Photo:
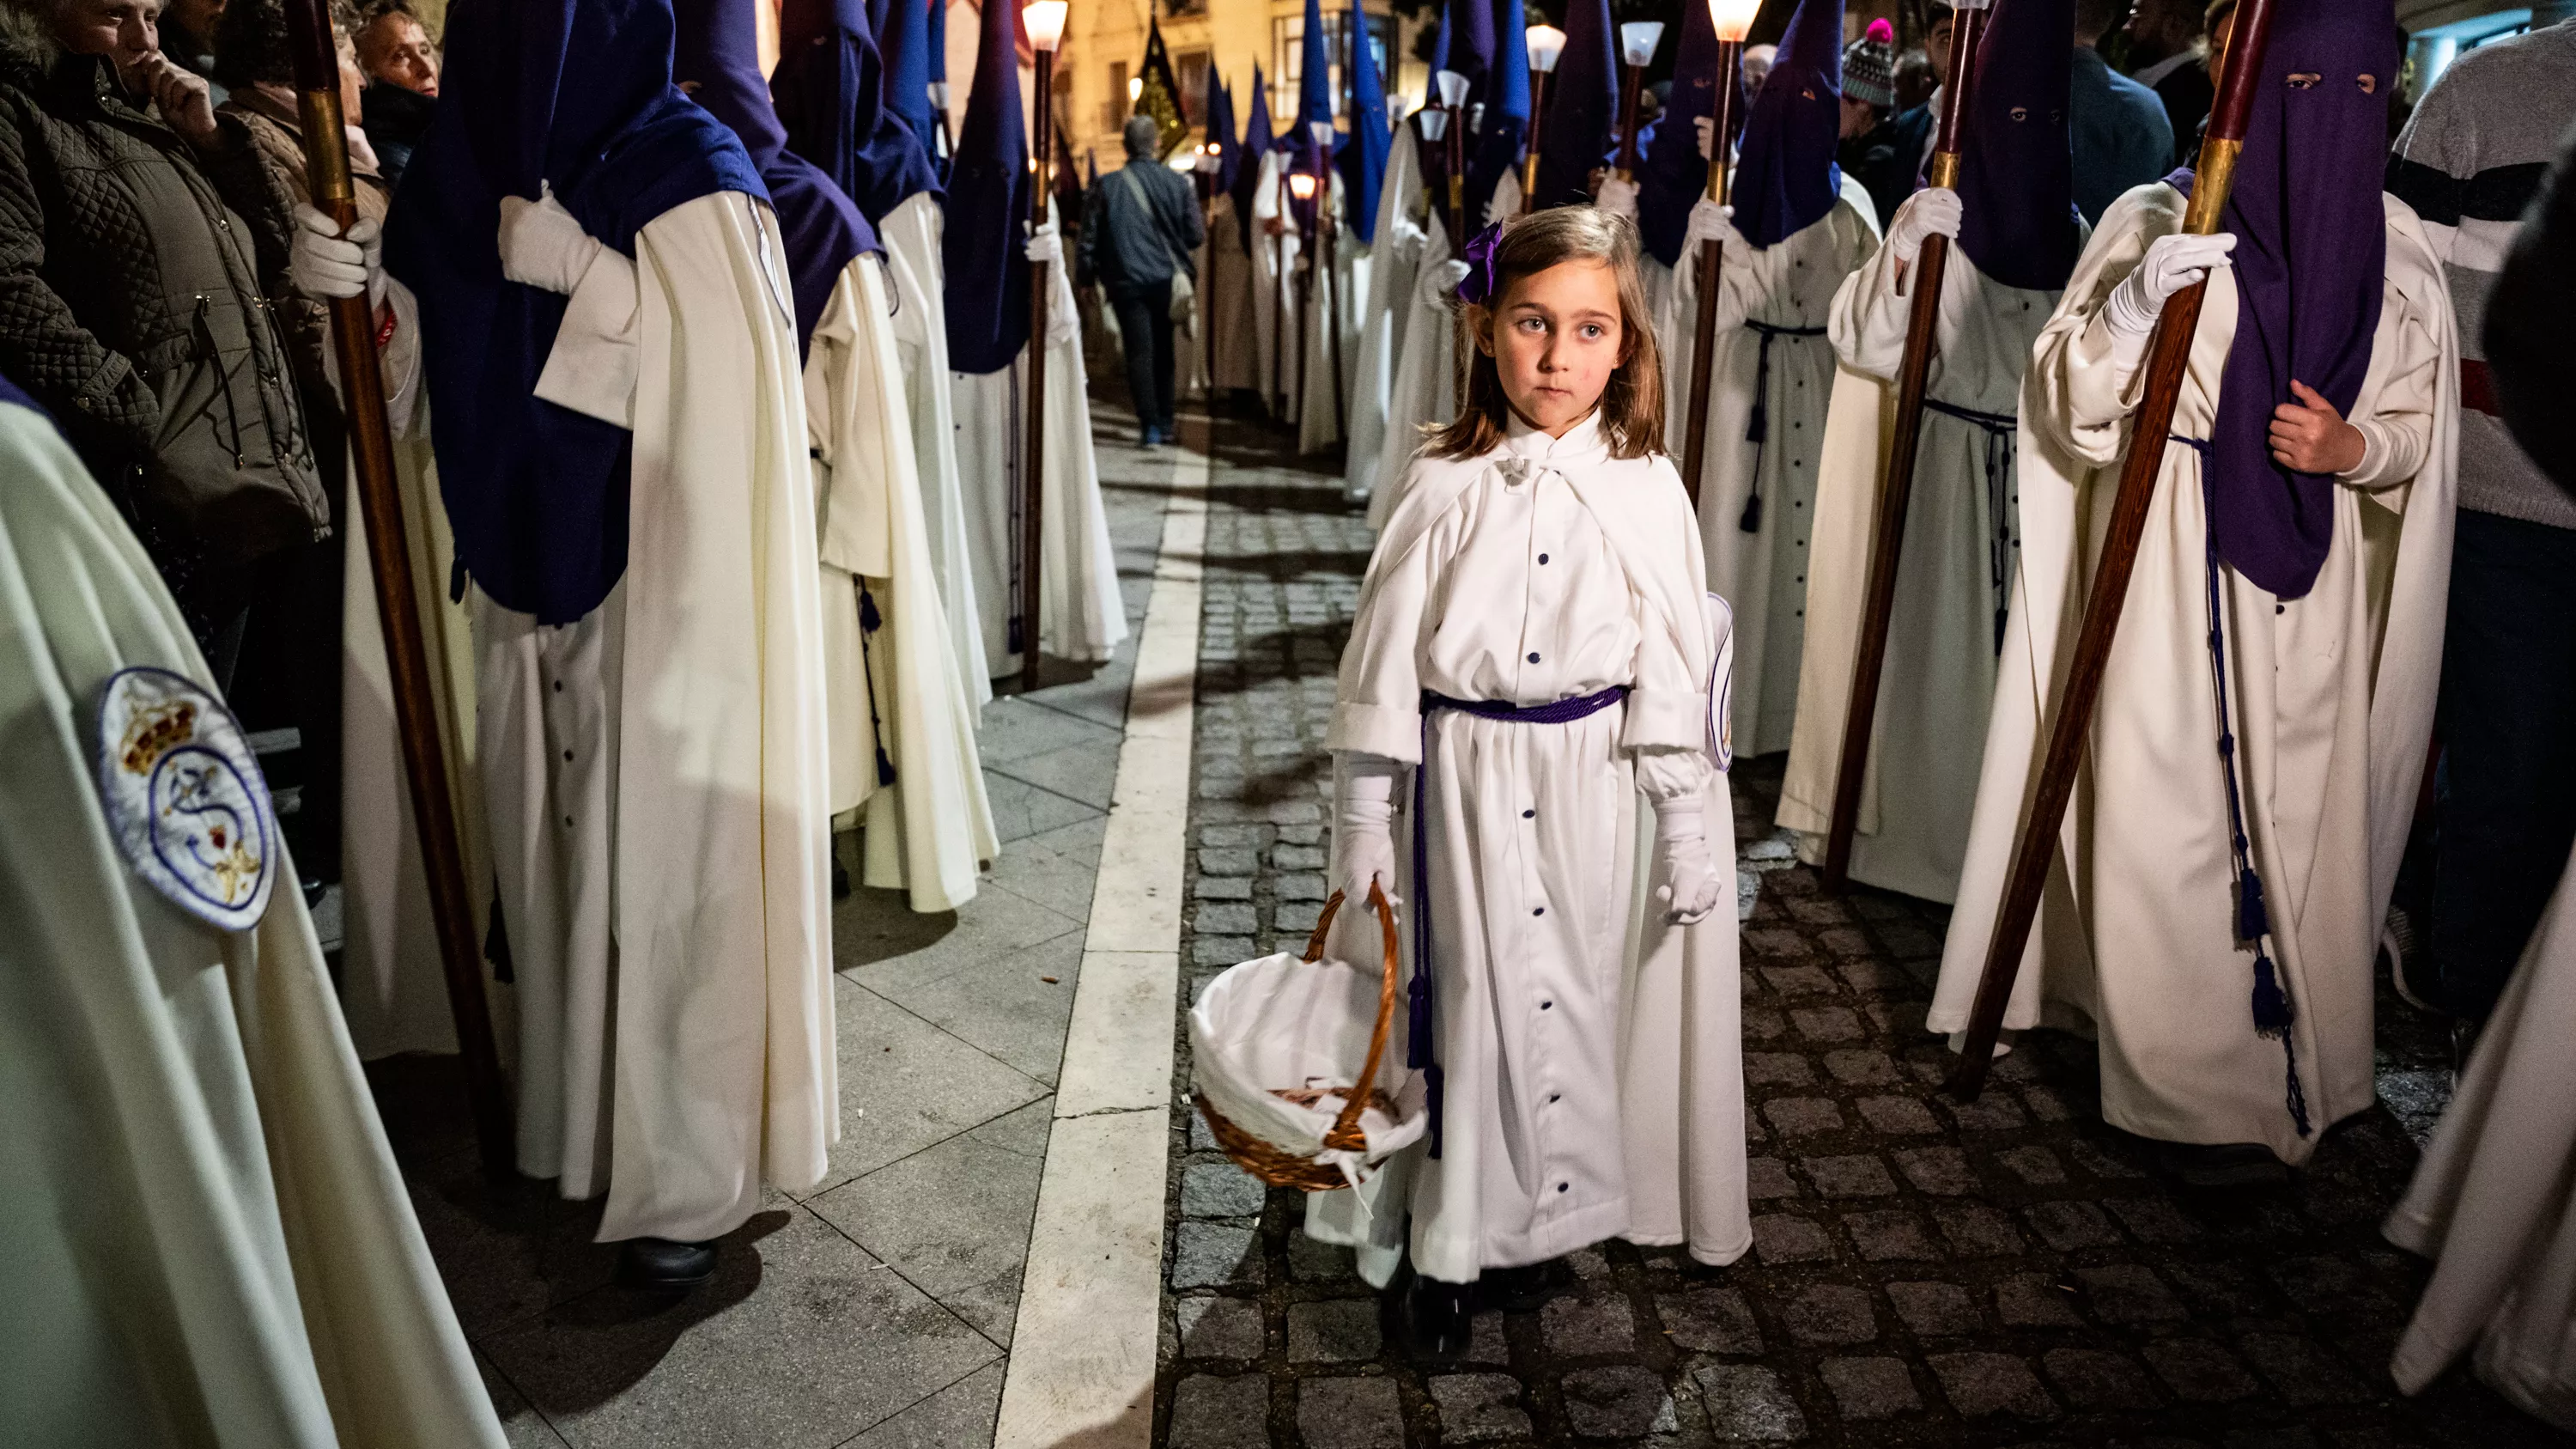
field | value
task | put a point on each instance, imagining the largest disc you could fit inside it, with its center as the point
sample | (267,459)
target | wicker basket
(1293,1158)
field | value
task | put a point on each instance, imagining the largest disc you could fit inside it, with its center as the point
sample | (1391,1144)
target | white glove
(1689,889)
(322,264)
(1706,126)
(1617,197)
(1933,211)
(542,245)
(1045,246)
(1439,284)
(1712,222)
(1363,828)
(2171,264)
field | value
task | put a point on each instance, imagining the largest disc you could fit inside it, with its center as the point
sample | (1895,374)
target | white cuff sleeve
(597,350)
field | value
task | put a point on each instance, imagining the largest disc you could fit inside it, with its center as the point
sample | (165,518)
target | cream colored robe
(1081,616)
(1331,299)
(657,774)
(207,1236)
(2332,698)
(1425,391)
(1379,323)
(393,984)
(1763,574)
(914,267)
(1938,681)
(1591,1051)
(1226,302)
(893,690)
(2491,1202)
(1274,300)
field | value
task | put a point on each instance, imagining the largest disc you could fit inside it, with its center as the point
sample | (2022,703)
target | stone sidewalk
(877,1311)
(1923,1273)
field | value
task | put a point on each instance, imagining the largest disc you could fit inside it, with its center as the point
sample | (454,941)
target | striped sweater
(2469,162)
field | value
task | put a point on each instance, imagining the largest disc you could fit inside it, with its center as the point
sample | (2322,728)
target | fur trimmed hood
(28,49)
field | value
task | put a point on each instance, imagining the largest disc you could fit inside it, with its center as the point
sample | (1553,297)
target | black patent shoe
(1437,1320)
(1518,1290)
(2223,1165)
(660,1265)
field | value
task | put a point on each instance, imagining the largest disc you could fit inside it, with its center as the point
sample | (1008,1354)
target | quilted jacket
(135,305)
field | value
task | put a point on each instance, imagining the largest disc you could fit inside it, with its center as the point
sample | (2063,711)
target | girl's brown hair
(1632,406)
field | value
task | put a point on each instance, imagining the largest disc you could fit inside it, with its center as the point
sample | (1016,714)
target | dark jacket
(2121,136)
(1888,161)
(2529,317)
(396,119)
(135,278)
(1140,225)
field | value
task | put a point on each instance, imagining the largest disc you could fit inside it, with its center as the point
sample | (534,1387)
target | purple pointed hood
(2311,259)
(2017,177)
(1674,176)
(835,90)
(1785,177)
(716,58)
(576,95)
(985,245)
(1582,120)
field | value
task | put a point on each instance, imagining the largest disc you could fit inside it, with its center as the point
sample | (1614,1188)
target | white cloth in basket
(1282,1023)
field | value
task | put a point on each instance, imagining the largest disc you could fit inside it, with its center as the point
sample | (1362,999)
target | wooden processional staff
(2167,358)
(1045,21)
(1732,19)
(1896,491)
(379,497)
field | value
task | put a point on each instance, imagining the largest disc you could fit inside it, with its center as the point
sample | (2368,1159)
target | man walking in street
(1139,230)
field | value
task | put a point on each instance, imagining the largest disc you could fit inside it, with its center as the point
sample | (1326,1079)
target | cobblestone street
(1924,1273)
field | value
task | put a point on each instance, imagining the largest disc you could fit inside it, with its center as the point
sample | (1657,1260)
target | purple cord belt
(1418,1052)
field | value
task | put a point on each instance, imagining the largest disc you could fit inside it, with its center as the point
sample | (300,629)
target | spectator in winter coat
(401,68)
(140,241)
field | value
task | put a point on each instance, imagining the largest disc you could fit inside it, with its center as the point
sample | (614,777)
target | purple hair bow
(1480,283)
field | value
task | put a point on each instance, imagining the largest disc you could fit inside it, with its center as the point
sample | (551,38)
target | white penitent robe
(1226,303)
(1425,391)
(1395,257)
(911,234)
(1593,1077)
(656,773)
(1081,616)
(2491,1201)
(1762,572)
(1336,288)
(894,698)
(207,1236)
(1274,292)
(2332,704)
(1953,582)
(393,985)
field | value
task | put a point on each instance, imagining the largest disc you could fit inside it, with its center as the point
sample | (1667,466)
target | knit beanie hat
(1869,65)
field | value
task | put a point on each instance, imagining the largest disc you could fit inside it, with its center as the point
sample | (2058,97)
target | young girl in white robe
(1530,672)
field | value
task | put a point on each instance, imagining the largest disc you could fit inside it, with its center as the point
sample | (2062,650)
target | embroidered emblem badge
(185,797)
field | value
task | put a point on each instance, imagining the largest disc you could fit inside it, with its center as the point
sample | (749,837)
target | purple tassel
(885,767)
(869,618)
(1751,522)
(1757,424)
(2272,1013)
(2253,921)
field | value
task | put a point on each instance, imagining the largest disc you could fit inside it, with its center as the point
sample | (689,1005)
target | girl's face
(1555,337)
